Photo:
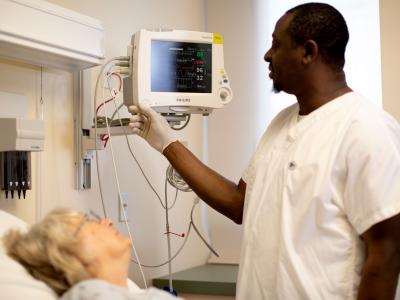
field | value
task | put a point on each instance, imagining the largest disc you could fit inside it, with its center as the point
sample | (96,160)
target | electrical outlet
(122,206)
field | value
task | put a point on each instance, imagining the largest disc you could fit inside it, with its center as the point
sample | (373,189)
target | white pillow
(15,282)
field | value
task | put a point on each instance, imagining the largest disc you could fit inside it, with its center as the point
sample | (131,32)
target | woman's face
(101,244)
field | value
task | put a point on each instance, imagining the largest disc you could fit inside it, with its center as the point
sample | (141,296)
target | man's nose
(267,56)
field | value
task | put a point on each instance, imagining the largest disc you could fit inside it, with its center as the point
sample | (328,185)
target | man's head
(306,34)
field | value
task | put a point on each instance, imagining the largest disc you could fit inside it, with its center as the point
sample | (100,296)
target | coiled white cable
(176,180)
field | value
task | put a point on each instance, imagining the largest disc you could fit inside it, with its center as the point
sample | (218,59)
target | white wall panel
(56,166)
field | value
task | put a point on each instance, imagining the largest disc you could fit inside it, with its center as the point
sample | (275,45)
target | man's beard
(276,88)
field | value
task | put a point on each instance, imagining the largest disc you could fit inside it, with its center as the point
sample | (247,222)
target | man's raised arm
(217,191)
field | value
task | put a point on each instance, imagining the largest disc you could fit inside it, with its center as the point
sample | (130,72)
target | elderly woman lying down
(80,256)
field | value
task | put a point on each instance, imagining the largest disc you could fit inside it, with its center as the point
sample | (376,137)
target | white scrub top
(313,187)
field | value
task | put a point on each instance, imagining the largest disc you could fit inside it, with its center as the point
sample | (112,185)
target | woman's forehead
(76,219)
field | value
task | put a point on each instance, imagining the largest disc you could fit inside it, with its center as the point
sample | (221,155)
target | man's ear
(310,51)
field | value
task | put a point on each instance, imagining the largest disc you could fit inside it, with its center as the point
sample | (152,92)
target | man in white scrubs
(320,199)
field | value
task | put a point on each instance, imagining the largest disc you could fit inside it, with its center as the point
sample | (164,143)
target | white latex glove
(151,126)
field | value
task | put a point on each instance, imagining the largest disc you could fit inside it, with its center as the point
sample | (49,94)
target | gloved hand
(151,126)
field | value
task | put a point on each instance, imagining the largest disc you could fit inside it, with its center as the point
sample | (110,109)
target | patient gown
(95,289)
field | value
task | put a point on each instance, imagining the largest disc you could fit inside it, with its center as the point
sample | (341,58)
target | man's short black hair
(326,26)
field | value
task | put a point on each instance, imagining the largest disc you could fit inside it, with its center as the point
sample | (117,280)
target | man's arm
(218,192)
(381,269)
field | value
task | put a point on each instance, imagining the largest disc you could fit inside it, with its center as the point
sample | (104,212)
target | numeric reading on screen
(181,67)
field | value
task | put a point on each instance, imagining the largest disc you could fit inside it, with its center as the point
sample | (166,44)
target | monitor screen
(181,67)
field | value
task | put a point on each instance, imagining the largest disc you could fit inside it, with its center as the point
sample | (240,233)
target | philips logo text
(183,99)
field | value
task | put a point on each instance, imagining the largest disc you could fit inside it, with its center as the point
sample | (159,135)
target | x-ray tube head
(177,71)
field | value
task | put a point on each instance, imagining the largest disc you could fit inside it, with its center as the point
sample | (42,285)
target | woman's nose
(107,222)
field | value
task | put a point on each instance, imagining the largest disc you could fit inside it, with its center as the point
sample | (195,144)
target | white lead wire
(119,191)
(116,176)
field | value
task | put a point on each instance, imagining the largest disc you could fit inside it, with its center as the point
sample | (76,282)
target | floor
(205,297)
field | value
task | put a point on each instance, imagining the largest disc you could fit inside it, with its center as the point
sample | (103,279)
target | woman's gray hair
(48,250)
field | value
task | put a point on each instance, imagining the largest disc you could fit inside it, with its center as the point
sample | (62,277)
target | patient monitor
(177,72)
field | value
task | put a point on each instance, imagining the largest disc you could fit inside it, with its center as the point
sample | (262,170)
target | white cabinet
(41,33)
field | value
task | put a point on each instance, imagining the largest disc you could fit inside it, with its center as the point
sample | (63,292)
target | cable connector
(122,58)
(122,63)
(124,71)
